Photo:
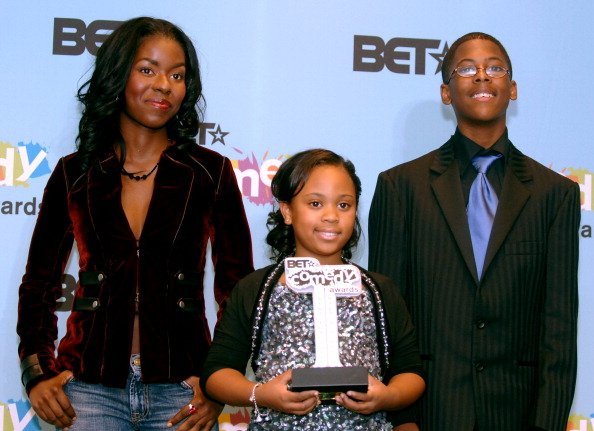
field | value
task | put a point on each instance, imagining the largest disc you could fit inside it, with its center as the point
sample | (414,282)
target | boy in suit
(483,242)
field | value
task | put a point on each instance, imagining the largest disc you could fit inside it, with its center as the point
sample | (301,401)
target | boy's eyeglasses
(471,70)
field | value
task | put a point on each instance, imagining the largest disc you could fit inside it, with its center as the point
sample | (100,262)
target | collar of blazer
(447,189)
(518,162)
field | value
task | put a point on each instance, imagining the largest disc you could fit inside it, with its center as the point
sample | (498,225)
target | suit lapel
(514,195)
(448,192)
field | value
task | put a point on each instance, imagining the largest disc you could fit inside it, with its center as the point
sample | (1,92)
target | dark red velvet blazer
(195,199)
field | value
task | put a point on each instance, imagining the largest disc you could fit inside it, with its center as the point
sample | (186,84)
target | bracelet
(258,415)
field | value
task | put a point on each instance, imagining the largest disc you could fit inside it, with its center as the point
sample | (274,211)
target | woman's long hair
(102,95)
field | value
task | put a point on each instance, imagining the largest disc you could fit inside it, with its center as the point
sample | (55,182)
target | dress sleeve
(231,345)
(404,353)
(41,285)
(230,237)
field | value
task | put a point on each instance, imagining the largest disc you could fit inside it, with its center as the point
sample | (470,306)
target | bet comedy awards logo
(18,416)
(578,422)
(399,55)
(18,165)
(254,174)
(236,419)
(21,163)
(583,177)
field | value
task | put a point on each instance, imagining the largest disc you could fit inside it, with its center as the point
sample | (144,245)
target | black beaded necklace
(132,176)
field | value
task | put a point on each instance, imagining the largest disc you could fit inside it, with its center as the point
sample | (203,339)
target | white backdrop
(284,76)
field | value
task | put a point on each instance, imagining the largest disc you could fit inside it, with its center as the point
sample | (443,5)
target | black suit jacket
(500,352)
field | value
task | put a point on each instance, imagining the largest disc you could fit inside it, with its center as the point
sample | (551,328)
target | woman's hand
(204,414)
(275,395)
(51,403)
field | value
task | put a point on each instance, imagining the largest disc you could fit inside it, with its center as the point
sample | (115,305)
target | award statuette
(325,283)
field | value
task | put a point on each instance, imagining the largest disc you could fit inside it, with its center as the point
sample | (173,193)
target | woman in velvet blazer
(142,201)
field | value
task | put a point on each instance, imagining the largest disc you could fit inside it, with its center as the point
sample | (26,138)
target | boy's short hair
(446,67)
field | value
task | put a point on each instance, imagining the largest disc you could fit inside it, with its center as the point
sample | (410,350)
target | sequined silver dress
(288,342)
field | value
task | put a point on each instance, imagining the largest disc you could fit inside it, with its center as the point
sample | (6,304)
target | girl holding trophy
(268,321)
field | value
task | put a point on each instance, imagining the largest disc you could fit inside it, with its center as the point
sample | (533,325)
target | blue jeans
(137,407)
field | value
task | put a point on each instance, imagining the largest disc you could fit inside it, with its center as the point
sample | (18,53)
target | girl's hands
(365,403)
(401,391)
(275,395)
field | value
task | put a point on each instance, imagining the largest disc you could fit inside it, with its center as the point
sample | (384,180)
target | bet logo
(72,36)
(399,55)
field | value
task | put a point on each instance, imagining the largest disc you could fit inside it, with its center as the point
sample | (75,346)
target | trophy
(325,282)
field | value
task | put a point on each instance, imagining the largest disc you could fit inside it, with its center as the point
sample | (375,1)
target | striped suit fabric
(500,353)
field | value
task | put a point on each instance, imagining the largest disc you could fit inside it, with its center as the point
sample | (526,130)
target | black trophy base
(329,381)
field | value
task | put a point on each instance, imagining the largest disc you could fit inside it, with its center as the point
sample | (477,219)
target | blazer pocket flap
(91,278)
(189,305)
(524,247)
(189,278)
(86,304)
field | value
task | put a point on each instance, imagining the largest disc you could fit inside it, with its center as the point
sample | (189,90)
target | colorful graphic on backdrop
(18,164)
(578,422)
(583,177)
(18,416)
